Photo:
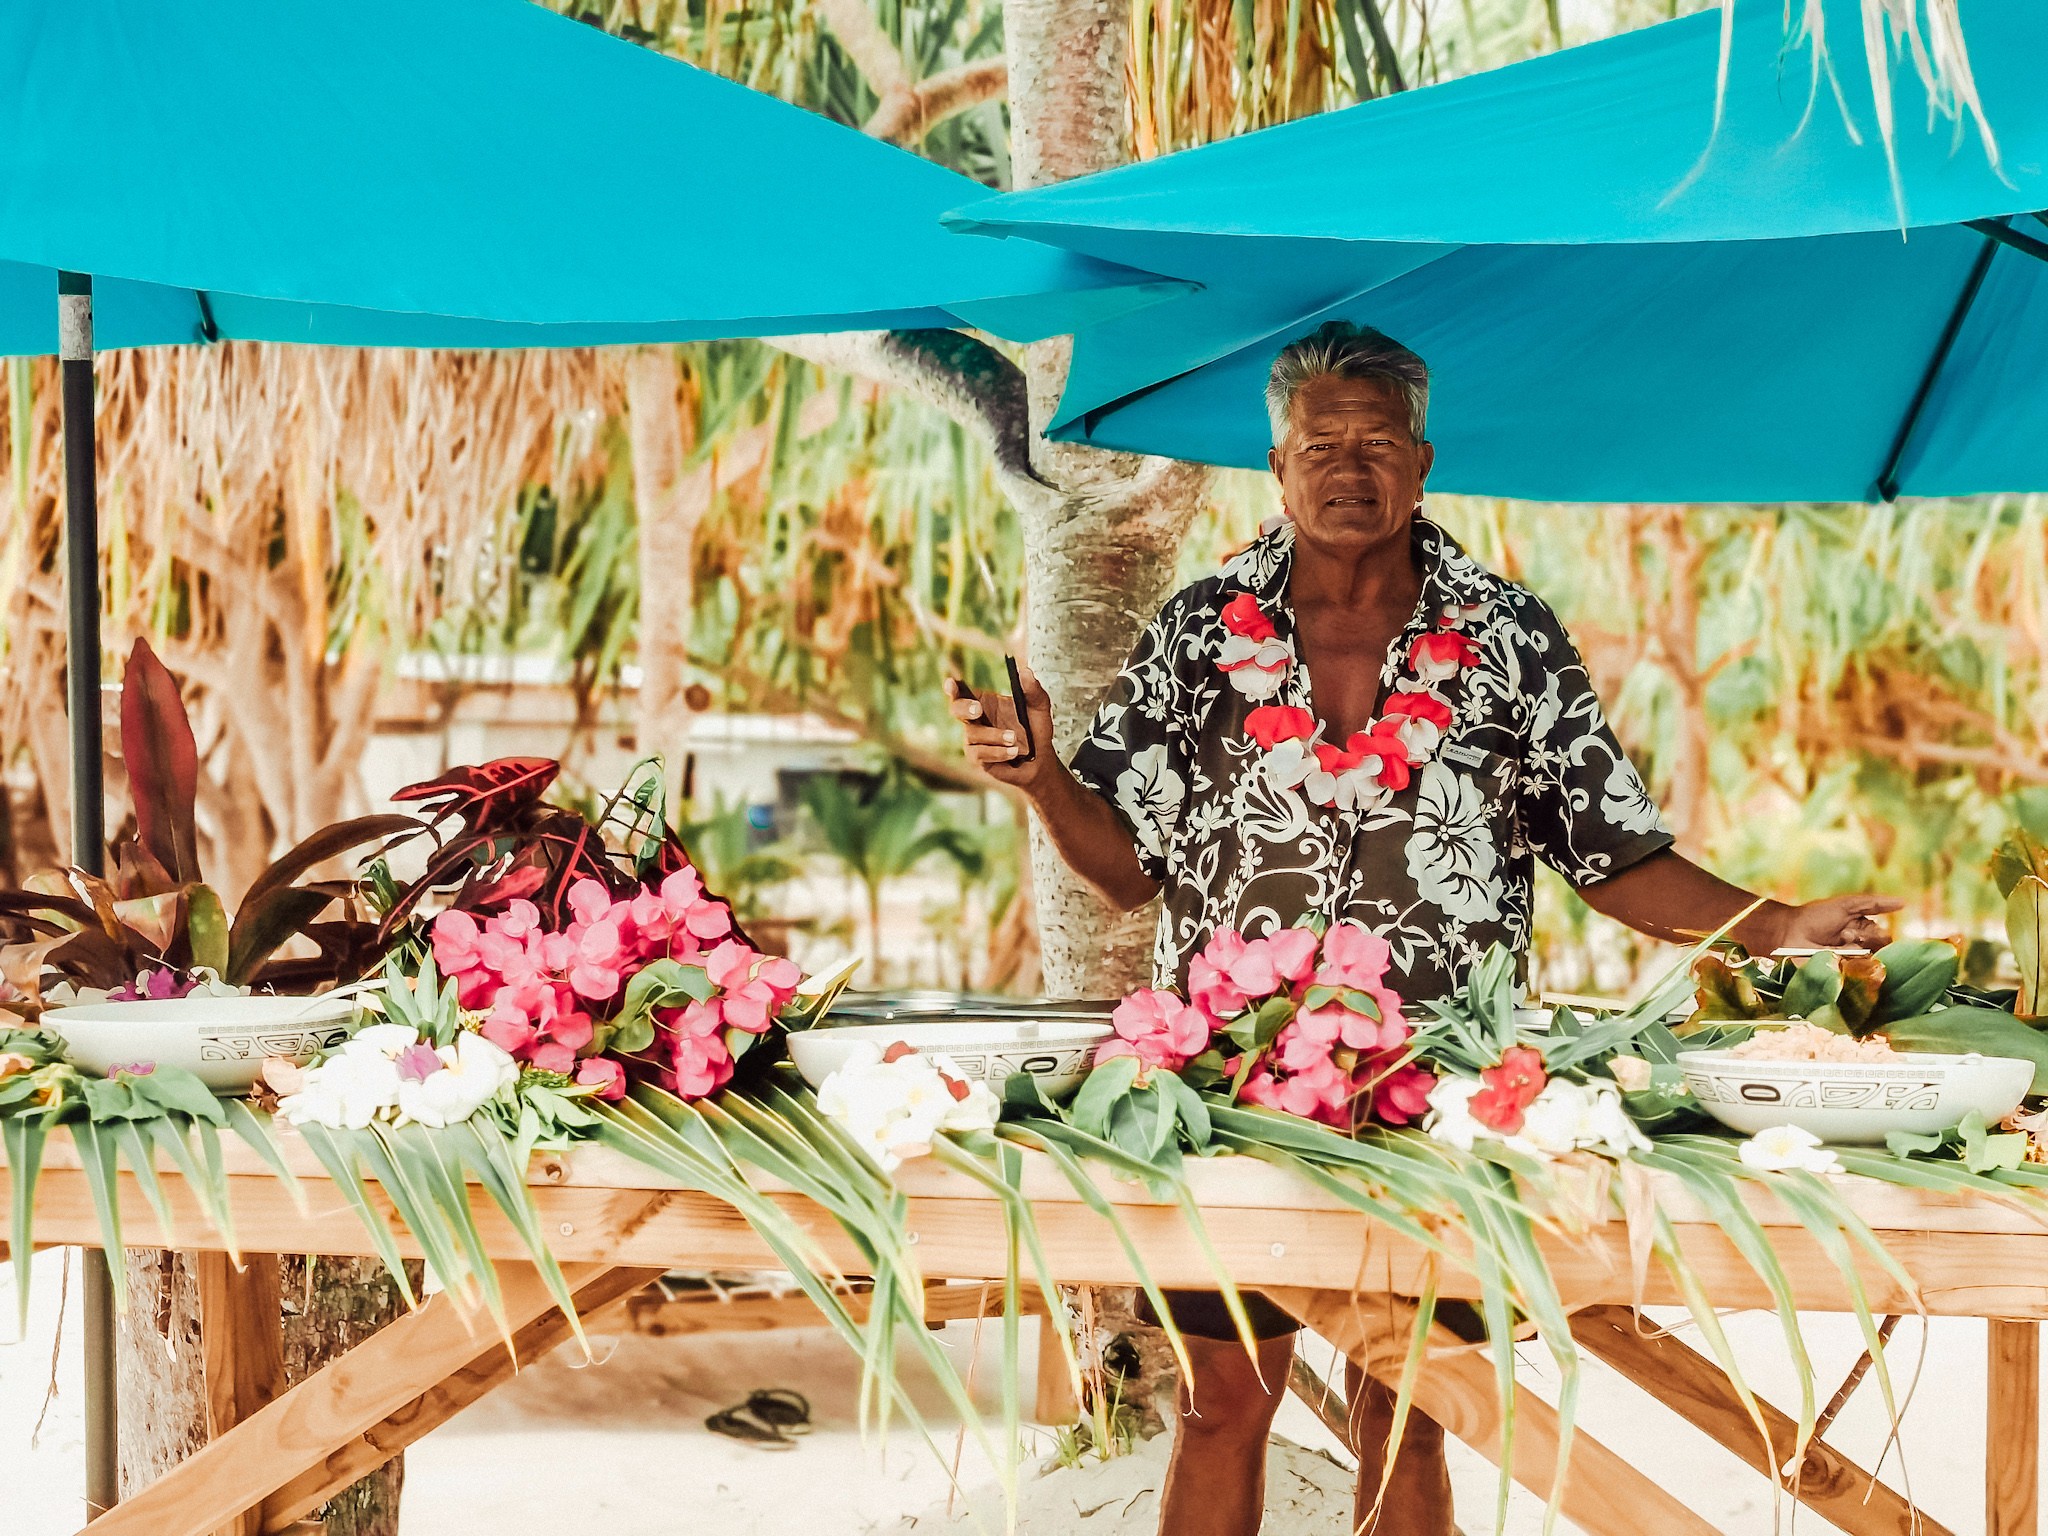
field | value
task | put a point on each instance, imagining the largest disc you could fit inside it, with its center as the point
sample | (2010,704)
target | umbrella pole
(88,808)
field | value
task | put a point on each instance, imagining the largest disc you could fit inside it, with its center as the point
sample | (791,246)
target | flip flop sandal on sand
(739,1424)
(788,1411)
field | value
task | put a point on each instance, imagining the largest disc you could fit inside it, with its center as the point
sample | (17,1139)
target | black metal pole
(88,809)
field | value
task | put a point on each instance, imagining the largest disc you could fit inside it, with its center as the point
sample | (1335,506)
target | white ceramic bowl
(1058,1052)
(221,1039)
(1857,1103)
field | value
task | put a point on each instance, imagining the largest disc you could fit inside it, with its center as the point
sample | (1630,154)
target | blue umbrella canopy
(1619,298)
(469,173)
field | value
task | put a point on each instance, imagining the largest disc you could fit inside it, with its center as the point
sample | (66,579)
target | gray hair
(1346,351)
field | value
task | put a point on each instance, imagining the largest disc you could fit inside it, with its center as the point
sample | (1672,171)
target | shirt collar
(1449,575)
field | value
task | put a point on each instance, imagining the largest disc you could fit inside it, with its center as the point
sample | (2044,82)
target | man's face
(1351,474)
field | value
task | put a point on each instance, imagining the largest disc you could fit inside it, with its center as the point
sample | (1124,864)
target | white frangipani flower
(1784,1148)
(349,1089)
(895,1109)
(472,1073)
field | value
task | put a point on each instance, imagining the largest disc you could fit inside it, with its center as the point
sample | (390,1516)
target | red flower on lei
(1372,764)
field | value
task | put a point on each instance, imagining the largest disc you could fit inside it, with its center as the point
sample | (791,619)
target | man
(1359,627)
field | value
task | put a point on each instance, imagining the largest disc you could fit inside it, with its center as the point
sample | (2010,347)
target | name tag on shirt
(1456,752)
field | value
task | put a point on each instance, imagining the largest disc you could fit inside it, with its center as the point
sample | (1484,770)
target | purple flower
(131,1069)
(160,985)
(417,1063)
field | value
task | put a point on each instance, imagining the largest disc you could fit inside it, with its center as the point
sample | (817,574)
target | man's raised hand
(995,738)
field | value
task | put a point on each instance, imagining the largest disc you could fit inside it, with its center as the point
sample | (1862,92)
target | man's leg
(1216,1482)
(1418,1500)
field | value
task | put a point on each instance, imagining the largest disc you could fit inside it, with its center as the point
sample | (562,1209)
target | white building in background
(439,711)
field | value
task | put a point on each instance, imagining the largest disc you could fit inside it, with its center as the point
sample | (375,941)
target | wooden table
(616,1227)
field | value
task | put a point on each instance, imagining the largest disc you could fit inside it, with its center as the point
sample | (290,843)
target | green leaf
(1814,986)
(1100,1091)
(23,1137)
(1726,990)
(1362,1003)
(1987,1031)
(1862,984)
(1917,975)
(206,928)
(2026,929)
(1915,1143)
(174,1088)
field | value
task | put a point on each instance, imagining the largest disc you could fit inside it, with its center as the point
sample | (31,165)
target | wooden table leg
(1056,1403)
(338,1404)
(1698,1391)
(1603,1494)
(2012,1429)
(241,1340)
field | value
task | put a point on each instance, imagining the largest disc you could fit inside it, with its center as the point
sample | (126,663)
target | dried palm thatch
(276,520)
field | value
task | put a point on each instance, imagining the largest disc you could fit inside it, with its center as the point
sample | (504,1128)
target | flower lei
(1374,764)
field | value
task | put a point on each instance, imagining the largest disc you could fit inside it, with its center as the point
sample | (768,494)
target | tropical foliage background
(1823,696)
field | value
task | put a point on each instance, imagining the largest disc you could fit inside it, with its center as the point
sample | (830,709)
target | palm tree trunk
(666,515)
(1100,553)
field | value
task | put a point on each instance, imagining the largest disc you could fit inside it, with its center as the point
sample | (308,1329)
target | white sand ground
(618,1449)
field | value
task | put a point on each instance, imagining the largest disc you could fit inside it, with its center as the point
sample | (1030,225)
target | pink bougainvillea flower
(549,1057)
(1438,656)
(1353,956)
(589,900)
(520,919)
(598,958)
(1400,1096)
(1323,1092)
(510,1033)
(1271,724)
(455,943)
(702,1065)
(1294,953)
(1243,616)
(1209,980)
(753,988)
(608,1077)
(571,1029)
(1159,1029)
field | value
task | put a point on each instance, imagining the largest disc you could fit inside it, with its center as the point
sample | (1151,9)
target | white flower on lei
(1451,856)
(895,1109)
(1420,737)
(472,1073)
(1291,764)
(1151,794)
(1256,668)
(1784,1148)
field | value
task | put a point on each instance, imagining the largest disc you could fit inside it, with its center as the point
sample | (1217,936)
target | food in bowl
(1809,1042)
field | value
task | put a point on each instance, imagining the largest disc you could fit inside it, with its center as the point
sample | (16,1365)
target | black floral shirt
(1441,866)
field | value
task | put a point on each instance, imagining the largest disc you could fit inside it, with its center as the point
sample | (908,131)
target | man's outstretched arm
(1669,897)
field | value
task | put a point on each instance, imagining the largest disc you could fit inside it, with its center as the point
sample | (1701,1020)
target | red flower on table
(1509,1090)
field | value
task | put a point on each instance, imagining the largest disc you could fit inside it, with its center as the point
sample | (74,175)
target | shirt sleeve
(1138,754)
(1583,809)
